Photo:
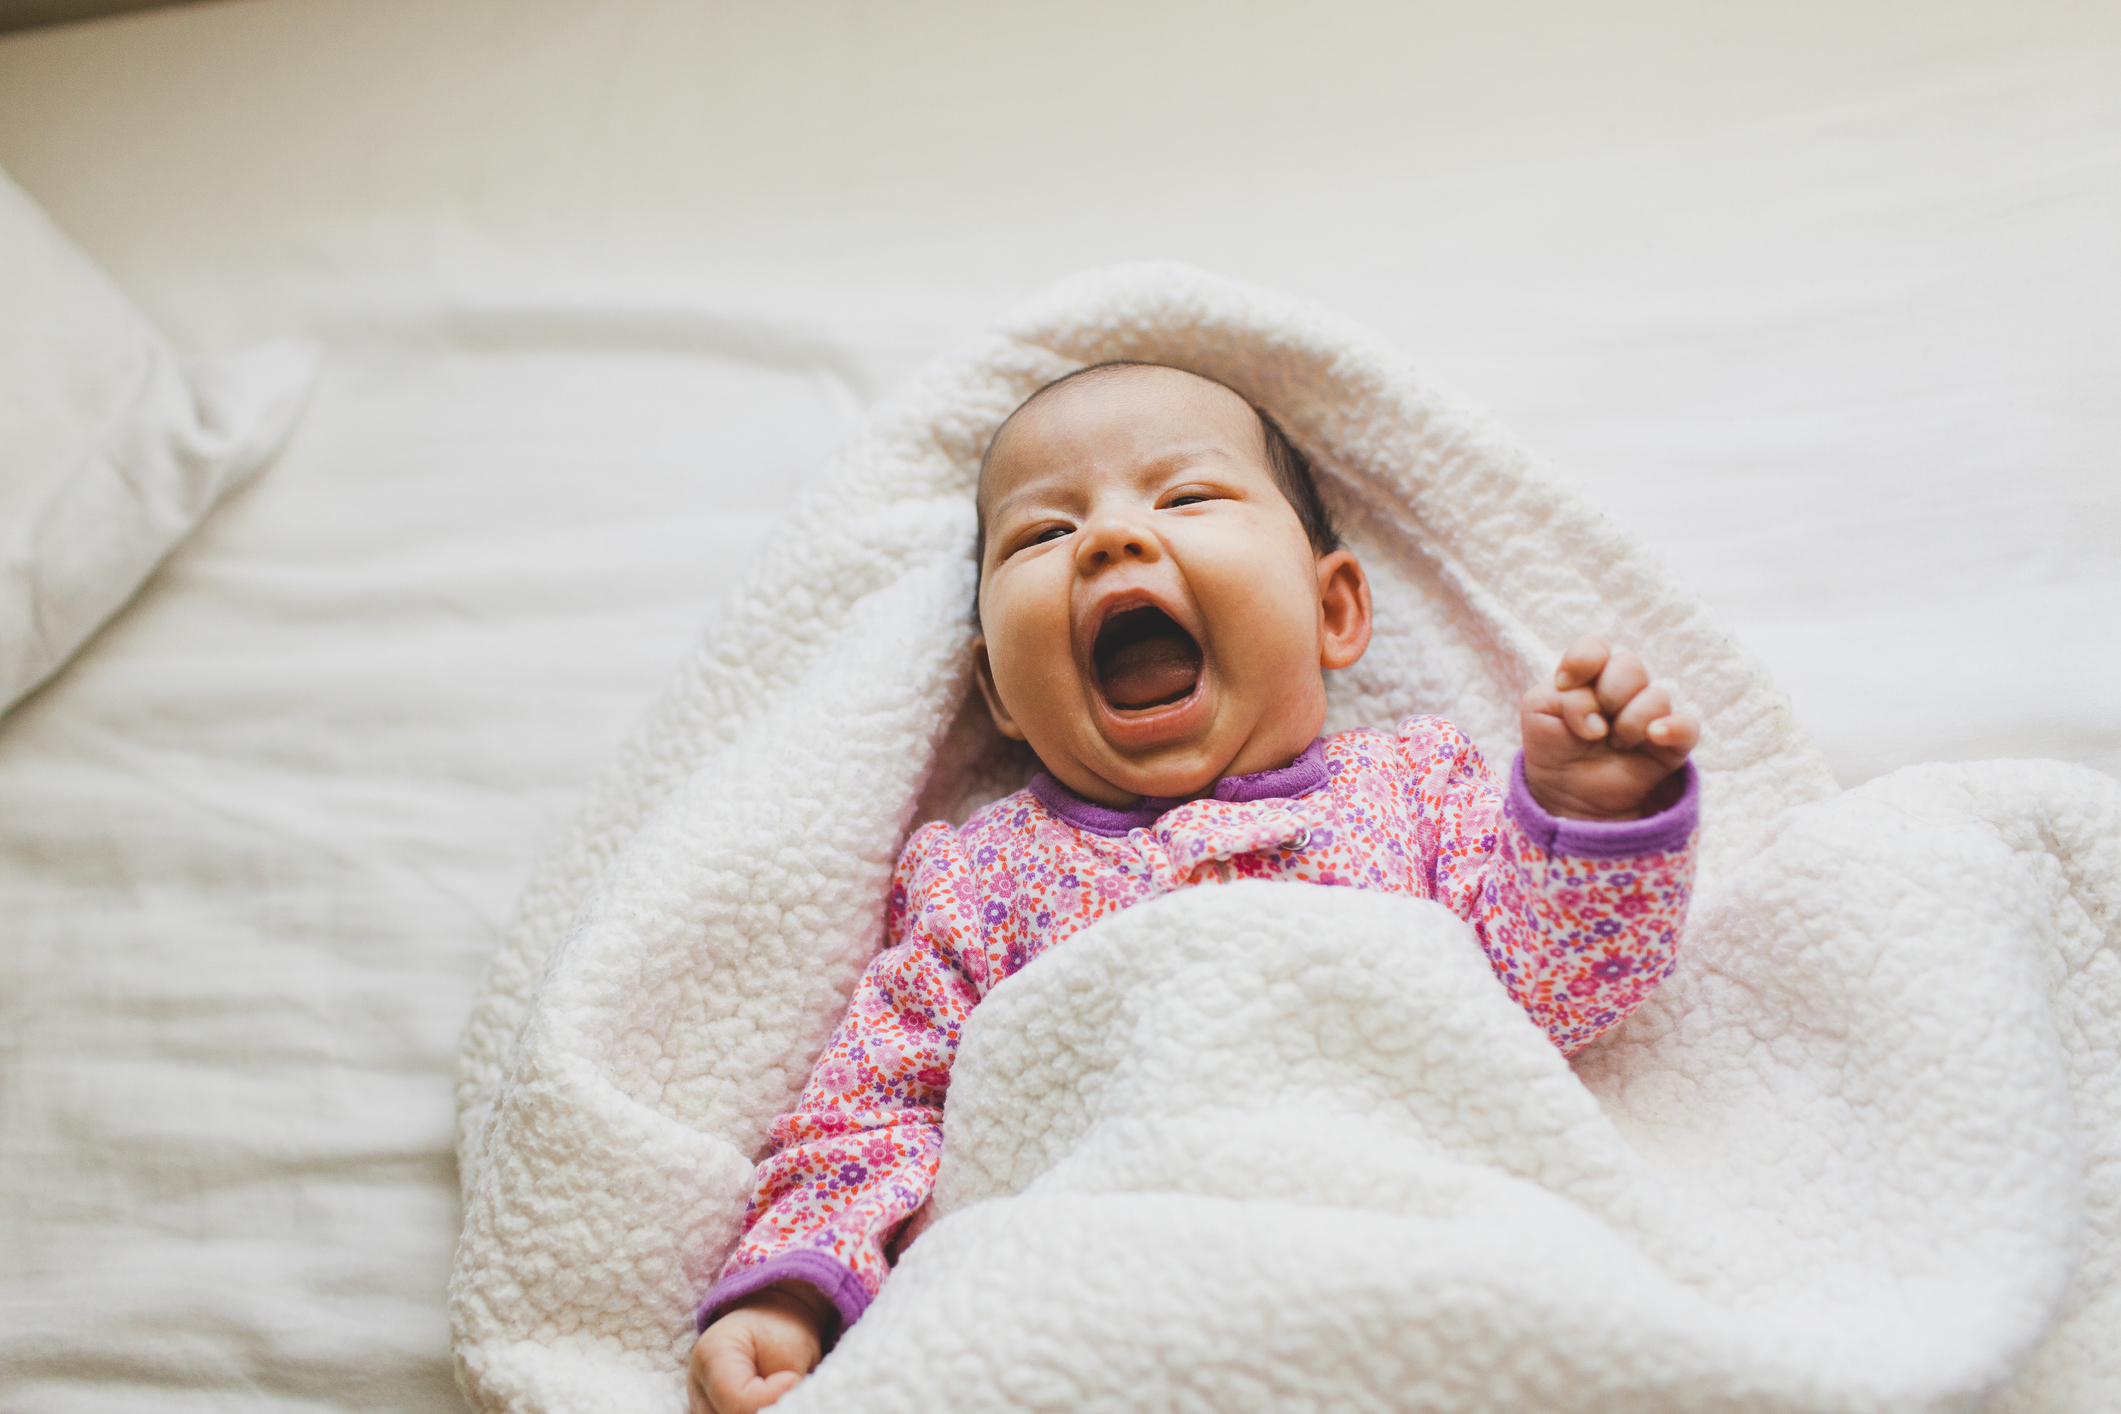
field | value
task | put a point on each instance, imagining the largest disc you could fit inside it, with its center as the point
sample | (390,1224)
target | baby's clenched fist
(758,1351)
(1600,742)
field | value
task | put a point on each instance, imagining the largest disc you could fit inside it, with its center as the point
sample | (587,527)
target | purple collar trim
(1300,777)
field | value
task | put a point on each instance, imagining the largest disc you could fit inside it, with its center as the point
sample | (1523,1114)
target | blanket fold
(1263,1147)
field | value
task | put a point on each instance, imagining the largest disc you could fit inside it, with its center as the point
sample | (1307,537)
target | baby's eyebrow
(1163,464)
(1008,499)
(1178,459)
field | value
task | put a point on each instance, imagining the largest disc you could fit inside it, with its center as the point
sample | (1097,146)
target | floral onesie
(1580,920)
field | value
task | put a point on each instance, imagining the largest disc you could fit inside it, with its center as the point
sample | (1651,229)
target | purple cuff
(1663,833)
(835,1282)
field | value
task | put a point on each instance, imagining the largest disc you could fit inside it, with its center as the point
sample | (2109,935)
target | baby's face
(1154,614)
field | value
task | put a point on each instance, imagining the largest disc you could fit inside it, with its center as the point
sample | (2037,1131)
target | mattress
(1817,301)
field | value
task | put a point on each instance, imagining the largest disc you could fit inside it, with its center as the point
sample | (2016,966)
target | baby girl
(1160,591)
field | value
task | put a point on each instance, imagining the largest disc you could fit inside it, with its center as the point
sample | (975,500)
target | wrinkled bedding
(1815,301)
(1271,1144)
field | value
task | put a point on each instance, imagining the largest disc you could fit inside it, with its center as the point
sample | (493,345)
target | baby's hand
(756,1353)
(1600,743)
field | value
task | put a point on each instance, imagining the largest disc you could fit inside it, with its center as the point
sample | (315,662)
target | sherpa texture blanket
(1272,1147)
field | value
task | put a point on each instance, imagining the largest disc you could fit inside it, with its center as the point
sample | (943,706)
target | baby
(1160,590)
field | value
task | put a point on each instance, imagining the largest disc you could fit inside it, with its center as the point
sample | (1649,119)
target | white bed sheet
(1818,301)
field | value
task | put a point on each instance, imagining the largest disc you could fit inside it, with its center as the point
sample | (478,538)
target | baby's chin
(1176,771)
(1123,789)
(1178,750)
(1094,769)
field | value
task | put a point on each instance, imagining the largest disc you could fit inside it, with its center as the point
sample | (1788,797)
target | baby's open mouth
(1144,659)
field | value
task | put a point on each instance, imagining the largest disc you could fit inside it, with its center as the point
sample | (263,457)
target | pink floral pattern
(1577,941)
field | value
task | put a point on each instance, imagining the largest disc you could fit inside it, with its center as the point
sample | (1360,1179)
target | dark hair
(1291,468)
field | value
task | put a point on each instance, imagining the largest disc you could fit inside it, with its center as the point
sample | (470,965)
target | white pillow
(109,454)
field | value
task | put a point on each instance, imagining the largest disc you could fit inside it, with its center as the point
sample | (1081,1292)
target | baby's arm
(1576,887)
(852,1161)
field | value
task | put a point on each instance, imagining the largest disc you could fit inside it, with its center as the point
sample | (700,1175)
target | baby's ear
(983,673)
(1343,609)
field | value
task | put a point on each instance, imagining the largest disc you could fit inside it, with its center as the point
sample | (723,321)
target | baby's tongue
(1158,669)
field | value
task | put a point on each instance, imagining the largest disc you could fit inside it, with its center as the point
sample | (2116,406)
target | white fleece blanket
(1271,1147)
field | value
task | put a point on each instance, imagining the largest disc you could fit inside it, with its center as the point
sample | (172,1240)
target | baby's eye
(1189,499)
(1051,532)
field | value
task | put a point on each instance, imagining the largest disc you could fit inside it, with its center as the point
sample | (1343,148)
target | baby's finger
(1631,725)
(1621,680)
(1579,708)
(756,1394)
(732,1379)
(1675,735)
(1581,663)
(1547,738)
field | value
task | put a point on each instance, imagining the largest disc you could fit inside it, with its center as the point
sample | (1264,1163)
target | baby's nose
(1115,539)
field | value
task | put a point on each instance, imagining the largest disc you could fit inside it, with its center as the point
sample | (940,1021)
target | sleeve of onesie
(1579,918)
(857,1155)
